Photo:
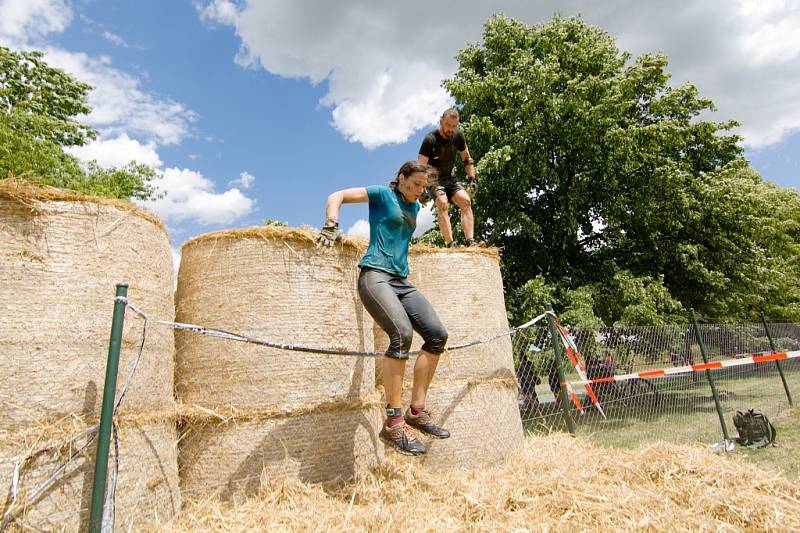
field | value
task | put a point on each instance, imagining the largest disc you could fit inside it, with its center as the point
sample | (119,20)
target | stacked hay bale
(61,255)
(252,410)
(474,390)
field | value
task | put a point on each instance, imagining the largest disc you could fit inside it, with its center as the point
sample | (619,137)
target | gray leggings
(400,309)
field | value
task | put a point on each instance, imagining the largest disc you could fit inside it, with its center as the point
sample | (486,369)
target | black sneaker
(423,422)
(402,439)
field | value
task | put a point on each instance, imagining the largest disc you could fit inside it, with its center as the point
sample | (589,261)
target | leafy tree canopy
(597,176)
(38,109)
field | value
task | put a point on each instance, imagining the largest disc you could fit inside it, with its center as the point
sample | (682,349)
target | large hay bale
(483,420)
(229,458)
(146,490)
(287,411)
(465,288)
(474,390)
(269,283)
(61,254)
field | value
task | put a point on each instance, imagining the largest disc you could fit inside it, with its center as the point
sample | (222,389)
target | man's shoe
(423,422)
(402,439)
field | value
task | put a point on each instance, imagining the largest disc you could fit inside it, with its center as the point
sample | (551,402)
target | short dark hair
(451,112)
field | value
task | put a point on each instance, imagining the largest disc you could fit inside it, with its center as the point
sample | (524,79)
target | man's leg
(443,216)
(464,203)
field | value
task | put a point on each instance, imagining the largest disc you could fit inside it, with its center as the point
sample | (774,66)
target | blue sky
(258,109)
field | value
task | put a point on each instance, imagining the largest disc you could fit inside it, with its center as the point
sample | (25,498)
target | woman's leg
(426,322)
(382,303)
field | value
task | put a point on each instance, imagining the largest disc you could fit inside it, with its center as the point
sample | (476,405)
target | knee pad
(435,343)
(397,355)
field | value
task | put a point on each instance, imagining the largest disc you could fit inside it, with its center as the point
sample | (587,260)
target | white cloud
(426,219)
(384,61)
(115,39)
(23,21)
(191,196)
(359,229)
(245,180)
(176,264)
(118,151)
(218,10)
(119,104)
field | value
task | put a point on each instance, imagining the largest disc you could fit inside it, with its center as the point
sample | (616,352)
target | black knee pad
(435,344)
(397,355)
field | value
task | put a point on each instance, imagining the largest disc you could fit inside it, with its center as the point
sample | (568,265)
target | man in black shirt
(439,149)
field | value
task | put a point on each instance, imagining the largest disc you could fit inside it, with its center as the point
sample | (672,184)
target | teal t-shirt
(391,223)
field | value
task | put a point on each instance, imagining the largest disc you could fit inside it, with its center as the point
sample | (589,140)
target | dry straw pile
(555,483)
(61,254)
(474,391)
(250,409)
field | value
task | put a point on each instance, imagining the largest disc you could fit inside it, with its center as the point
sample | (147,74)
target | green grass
(784,457)
(684,412)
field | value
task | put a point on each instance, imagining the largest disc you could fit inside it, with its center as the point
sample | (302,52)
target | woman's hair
(411,167)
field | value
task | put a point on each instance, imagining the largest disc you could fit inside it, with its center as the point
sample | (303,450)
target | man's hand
(425,197)
(329,234)
(472,183)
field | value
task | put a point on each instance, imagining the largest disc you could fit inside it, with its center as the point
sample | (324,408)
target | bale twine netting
(474,390)
(61,255)
(272,283)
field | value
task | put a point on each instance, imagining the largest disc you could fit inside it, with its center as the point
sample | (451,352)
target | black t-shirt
(441,152)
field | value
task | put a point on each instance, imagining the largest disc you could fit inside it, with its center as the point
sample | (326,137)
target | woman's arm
(346,196)
(330,231)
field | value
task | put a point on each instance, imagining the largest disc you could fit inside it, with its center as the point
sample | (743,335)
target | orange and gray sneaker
(402,438)
(423,421)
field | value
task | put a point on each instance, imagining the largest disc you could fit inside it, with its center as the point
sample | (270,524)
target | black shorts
(449,186)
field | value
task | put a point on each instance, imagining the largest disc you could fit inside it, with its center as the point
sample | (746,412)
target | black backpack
(755,429)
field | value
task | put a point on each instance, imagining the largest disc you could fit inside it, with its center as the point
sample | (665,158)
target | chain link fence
(645,386)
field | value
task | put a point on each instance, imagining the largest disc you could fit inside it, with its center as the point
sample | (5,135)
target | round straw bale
(482,417)
(466,290)
(227,458)
(270,283)
(61,255)
(147,488)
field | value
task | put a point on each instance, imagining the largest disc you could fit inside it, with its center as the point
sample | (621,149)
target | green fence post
(107,412)
(708,376)
(777,363)
(555,339)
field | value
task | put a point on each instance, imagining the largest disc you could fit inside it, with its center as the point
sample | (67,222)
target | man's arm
(426,149)
(469,164)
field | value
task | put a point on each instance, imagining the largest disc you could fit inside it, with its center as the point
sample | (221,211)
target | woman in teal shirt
(398,307)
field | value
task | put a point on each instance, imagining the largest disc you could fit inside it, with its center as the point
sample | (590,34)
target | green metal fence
(677,408)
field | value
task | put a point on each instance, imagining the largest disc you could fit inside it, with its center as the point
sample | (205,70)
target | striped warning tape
(761,357)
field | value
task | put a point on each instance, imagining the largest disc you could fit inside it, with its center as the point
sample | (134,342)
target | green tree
(596,173)
(38,109)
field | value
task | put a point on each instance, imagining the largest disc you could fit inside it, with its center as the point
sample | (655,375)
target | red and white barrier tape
(688,369)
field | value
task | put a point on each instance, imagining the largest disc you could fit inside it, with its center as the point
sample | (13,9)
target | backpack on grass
(755,429)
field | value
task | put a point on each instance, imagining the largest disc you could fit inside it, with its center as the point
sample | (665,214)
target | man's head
(448,124)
